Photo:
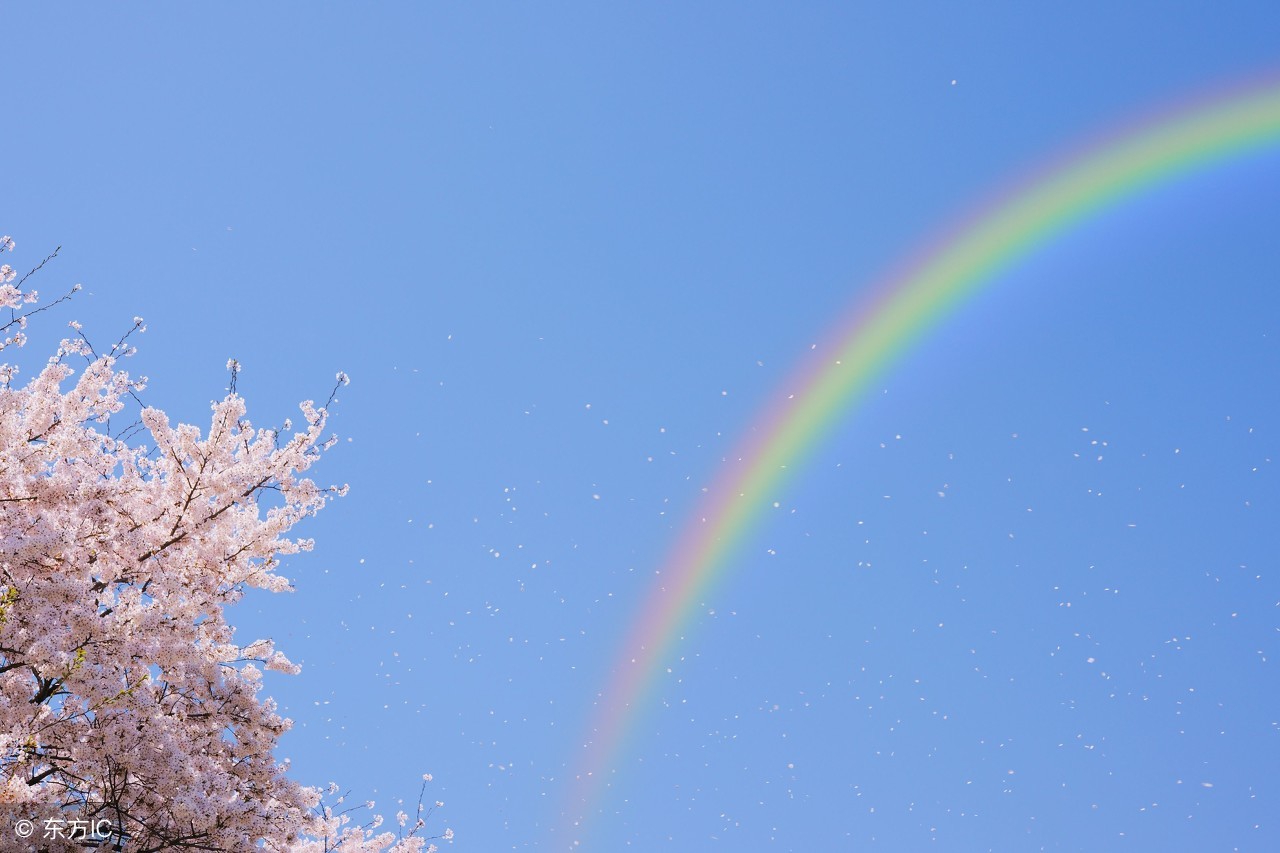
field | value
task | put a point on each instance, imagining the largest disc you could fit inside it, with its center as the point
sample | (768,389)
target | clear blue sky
(565,253)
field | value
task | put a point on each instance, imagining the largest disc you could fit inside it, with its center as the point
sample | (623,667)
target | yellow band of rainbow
(906,306)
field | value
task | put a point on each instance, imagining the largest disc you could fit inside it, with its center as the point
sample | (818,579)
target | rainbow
(1208,131)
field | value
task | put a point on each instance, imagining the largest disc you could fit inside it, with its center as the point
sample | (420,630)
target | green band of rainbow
(907,306)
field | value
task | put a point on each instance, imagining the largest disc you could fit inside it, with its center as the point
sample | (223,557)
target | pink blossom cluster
(123,693)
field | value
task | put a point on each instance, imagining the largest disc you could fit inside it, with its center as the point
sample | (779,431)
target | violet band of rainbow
(877,332)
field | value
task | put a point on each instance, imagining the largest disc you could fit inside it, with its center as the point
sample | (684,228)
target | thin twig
(37,267)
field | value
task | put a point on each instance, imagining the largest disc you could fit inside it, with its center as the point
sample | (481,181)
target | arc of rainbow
(925,291)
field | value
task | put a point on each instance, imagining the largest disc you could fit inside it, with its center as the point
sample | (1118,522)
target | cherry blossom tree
(126,703)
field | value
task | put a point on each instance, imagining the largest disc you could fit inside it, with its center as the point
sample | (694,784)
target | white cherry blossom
(123,693)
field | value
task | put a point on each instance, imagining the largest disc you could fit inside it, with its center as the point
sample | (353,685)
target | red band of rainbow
(906,306)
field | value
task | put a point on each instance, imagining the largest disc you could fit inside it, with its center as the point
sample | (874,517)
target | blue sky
(566,253)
